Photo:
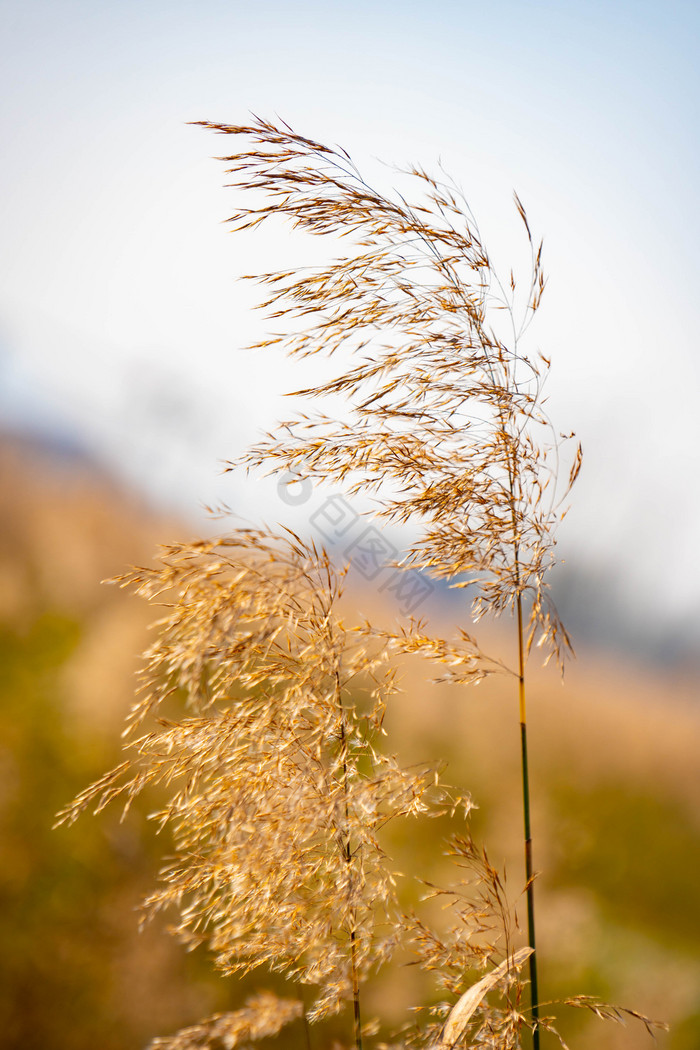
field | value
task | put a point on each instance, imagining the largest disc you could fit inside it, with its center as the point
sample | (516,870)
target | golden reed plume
(261,710)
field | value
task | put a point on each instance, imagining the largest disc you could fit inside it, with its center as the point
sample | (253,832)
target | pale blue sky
(117,279)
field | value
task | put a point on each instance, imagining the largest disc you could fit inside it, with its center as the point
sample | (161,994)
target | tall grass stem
(347,851)
(534,996)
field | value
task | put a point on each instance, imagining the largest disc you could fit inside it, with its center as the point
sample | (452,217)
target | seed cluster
(259,725)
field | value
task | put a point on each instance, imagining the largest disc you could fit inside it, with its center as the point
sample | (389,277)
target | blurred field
(615,782)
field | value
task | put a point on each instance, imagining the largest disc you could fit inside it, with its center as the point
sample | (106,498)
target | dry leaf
(464,1008)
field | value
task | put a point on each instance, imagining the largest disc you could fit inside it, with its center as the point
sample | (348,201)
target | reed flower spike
(259,726)
(445,415)
(277,791)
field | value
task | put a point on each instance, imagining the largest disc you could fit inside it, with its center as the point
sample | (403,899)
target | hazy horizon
(121,322)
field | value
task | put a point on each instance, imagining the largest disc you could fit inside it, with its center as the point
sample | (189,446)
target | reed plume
(261,710)
(263,715)
(445,417)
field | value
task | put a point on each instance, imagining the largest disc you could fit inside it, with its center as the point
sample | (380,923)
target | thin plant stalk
(524,765)
(529,875)
(347,853)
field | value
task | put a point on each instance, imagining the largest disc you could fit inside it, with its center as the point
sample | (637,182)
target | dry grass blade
(464,1009)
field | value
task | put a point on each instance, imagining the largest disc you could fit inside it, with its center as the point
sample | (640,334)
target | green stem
(305,1019)
(529,888)
(534,997)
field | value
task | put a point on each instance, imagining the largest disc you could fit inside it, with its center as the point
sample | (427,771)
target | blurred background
(124,385)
